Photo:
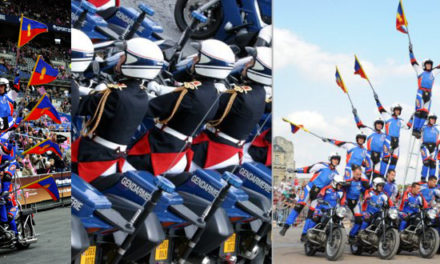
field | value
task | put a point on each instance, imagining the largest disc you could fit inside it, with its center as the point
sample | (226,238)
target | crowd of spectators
(50,11)
(286,194)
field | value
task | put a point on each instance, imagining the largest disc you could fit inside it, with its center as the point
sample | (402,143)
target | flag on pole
(358,68)
(294,127)
(29,29)
(42,73)
(43,107)
(17,82)
(401,22)
(339,81)
(43,147)
(48,183)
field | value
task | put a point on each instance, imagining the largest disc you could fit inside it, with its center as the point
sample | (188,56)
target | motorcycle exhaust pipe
(29,241)
(251,253)
(163,185)
(231,180)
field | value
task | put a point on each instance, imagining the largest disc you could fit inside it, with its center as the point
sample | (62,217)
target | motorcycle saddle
(107,13)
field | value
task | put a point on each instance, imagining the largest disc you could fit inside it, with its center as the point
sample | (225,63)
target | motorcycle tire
(26,231)
(204,30)
(390,252)
(335,252)
(309,249)
(434,241)
(356,249)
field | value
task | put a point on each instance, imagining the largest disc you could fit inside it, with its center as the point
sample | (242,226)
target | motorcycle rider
(429,147)
(376,145)
(354,188)
(390,187)
(357,154)
(425,77)
(374,201)
(393,124)
(8,152)
(429,190)
(323,174)
(178,111)
(220,145)
(116,111)
(411,202)
(333,194)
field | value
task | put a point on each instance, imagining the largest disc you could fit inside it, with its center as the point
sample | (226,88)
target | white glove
(84,90)
(159,89)
(220,87)
(268,91)
(100,87)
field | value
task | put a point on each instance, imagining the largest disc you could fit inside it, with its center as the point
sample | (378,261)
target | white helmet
(261,71)
(82,51)
(334,155)
(338,179)
(144,59)
(264,37)
(5,82)
(378,181)
(216,59)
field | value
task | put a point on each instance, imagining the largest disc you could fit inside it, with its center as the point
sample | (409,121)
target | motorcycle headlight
(393,213)
(432,213)
(341,211)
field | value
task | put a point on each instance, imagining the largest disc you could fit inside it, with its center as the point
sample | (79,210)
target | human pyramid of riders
(368,186)
(208,111)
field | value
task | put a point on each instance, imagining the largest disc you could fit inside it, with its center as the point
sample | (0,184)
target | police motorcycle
(329,234)
(24,220)
(381,235)
(420,234)
(243,23)
(114,22)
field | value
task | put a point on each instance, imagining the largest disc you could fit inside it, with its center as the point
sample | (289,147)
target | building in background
(283,154)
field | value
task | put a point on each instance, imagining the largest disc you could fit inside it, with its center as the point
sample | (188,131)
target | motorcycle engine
(8,235)
(370,237)
(316,236)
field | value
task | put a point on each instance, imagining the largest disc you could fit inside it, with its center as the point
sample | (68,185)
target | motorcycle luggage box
(257,177)
(150,235)
(79,238)
(217,230)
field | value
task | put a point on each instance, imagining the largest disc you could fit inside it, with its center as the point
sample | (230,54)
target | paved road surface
(53,245)
(289,250)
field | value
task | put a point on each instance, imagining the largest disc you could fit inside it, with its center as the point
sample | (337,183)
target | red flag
(340,82)
(358,68)
(401,22)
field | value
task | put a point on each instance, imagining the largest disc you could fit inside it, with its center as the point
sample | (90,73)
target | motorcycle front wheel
(389,244)
(334,248)
(429,244)
(182,16)
(26,231)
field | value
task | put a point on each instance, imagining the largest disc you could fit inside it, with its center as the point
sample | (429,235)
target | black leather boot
(284,229)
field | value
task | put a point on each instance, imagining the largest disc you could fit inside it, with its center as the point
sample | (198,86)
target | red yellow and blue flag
(29,29)
(358,68)
(401,22)
(339,81)
(43,107)
(43,147)
(294,127)
(17,82)
(48,183)
(42,73)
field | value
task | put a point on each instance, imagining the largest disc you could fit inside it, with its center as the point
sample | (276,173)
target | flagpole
(351,102)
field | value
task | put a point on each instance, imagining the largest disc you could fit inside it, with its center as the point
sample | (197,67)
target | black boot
(284,229)
(303,238)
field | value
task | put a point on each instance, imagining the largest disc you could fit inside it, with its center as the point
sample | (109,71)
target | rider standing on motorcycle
(374,201)
(323,174)
(116,111)
(220,145)
(390,187)
(411,202)
(429,148)
(357,154)
(178,111)
(425,78)
(333,194)
(376,145)
(393,124)
(354,188)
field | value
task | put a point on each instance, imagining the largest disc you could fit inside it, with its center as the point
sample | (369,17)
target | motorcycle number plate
(88,257)
(161,252)
(229,244)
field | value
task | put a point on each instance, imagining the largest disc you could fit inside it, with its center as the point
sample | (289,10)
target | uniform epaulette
(242,89)
(192,85)
(118,86)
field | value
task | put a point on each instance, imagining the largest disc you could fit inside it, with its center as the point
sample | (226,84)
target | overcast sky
(312,37)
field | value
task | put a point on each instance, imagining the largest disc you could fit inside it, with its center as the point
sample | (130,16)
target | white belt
(174,133)
(225,136)
(109,144)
